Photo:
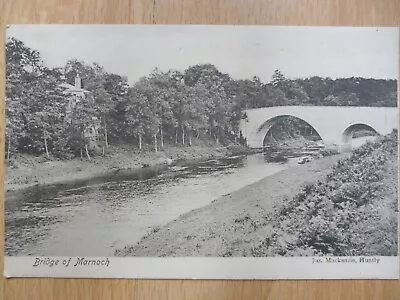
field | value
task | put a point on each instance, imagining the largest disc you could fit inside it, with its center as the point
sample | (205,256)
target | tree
(140,117)
(159,88)
(83,120)
(295,93)
(278,79)
(159,108)
(195,110)
(217,102)
(33,100)
(114,90)
(331,100)
(14,125)
(87,73)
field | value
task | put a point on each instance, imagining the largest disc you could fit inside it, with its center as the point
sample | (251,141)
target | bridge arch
(349,131)
(265,127)
(330,122)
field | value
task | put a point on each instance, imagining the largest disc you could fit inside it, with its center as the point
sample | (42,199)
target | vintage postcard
(213,152)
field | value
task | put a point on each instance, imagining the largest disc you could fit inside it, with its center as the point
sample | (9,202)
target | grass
(352,212)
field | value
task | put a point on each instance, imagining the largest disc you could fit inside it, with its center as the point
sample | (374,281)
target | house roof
(72,89)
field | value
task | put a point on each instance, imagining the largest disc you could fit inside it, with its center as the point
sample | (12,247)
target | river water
(96,220)
(97,217)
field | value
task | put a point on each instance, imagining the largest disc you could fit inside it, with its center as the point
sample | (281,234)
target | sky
(241,51)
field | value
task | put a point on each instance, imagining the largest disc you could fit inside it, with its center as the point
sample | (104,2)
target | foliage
(351,212)
(328,152)
(163,107)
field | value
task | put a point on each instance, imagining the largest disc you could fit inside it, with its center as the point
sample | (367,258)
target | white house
(76,94)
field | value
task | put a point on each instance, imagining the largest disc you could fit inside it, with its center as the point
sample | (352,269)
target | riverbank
(342,205)
(352,212)
(27,170)
(295,142)
(235,223)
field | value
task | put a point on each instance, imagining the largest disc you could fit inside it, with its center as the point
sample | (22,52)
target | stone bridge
(334,124)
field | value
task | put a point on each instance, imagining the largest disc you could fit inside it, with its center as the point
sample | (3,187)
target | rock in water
(168,161)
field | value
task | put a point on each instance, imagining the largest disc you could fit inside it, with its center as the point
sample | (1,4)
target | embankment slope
(235,223)
(336,205)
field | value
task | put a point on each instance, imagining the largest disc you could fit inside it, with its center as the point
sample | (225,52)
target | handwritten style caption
(70,262)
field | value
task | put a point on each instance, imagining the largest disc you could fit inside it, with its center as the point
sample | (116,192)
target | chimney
(78,82)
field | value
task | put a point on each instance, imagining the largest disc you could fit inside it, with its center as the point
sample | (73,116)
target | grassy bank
(296,142)
(346,206)
(26,170)
(235,223)
(353,211)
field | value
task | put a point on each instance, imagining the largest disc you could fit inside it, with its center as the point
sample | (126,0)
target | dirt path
(233,224)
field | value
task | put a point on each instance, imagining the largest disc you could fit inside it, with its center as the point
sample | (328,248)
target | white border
(207,268)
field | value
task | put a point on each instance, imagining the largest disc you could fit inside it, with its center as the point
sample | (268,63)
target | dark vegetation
(352,212)
(328,152)
(164,107)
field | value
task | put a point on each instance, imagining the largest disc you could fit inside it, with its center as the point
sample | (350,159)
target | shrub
(328,152)
(352,212)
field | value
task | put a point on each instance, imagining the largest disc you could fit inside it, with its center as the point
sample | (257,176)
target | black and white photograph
(201,151)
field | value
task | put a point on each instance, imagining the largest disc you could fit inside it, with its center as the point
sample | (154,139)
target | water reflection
(98,216)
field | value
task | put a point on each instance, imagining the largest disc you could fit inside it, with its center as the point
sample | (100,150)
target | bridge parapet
(330,122)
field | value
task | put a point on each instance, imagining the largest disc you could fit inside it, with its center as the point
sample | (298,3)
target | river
(96,220)
(99,217)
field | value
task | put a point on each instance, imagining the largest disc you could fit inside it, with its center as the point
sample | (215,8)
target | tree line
(171,107)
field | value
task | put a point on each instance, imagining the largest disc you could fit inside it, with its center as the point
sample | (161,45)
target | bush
(352,212)
(328,152)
